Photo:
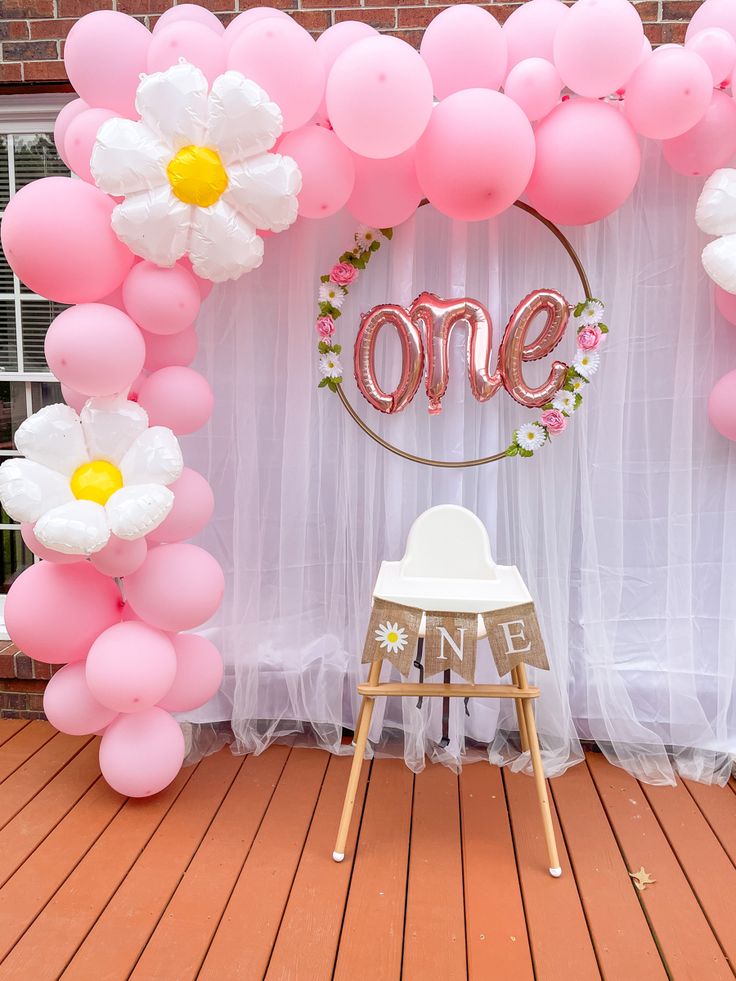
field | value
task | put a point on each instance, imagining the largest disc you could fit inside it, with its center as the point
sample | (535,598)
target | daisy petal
(76,528)
(28,489)
(716,210)
(111,426)
(128,157)
(154,224)
(154,458)
(719,261)
(264,190)
(135,511)
(174,105)
(223,244)
(242,120)
(53,437)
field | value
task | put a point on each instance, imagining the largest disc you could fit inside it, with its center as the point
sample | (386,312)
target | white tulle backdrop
(623,530)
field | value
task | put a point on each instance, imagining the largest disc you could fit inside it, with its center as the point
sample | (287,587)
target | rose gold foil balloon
(412,358)
(515,350)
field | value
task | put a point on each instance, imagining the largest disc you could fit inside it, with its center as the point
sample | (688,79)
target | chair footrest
(411,690)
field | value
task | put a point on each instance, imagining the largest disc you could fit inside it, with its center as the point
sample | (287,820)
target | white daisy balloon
(196,173)
(716,215)
(85,477)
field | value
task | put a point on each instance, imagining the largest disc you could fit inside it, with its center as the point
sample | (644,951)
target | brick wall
(32,32)
(22,682)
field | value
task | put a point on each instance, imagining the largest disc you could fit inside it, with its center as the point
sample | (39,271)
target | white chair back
(448,542)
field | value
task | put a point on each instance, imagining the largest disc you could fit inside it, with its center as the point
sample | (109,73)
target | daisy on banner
(392,635)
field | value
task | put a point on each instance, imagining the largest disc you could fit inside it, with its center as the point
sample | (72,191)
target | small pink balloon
(386,192)
(668,93)
(717,49)
(80,140)
(238,24)
(130,667)
(58,238)
(379,97)
(531,28)
(726,304)
(205,285)
(54,613)
(710,144)
(722,405)
(282,58)
(331,44)
(178,587)
(178,398)
(104,56)
(188,40)
(114,299)
(713,13)
(198,673)
(28,536)
(140,754)
(535,85)
(191,13)
(76,400)
(70,706)
(161,301)
(165,350)
(587,163)
(95,349)
(135,389)
(69,112)
(119,557)
(194,504)
(328,171)
(464,48)
(473,186)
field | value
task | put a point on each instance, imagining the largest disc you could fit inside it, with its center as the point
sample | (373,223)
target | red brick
(648,10)
(654,33)
(218,5)
(78,8)
(414,38)
(24,685)
(383,18)
(143,7)
(13,700)
(44,71)
(23,666)
(7,666)
(417,16)
(397,3)
(17,10)
(312,20)
(674,33)
(30,50)
(41,671)
(13,30)
(51,28)
(35,703)
(679,9)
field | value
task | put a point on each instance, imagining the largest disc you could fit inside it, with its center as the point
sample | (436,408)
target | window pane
(12,411)
(8,339)
(6,274)
(36,315)
(4,176)
(35,156)
(45,393)
(15,557)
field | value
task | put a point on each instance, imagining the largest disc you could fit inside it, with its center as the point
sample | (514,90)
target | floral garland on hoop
(335,287)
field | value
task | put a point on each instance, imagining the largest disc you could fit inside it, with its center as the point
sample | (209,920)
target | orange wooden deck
(228,873)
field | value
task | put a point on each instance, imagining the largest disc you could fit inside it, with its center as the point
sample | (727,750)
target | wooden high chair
(448,566)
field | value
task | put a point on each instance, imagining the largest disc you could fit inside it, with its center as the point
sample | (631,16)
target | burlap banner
(393,633)
(450,641)
(515,638)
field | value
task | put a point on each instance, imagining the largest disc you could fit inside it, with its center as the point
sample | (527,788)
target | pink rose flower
(325,327)
(343,274)
(589,338)
(553,421)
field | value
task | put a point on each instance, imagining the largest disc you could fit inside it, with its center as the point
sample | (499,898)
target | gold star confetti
(642,879)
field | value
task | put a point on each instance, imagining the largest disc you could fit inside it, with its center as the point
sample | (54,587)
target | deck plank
(182,938)
(33,775)
(373,927)
(497,940)
(687,944)
(306,946)
(242,945)
(10,728)
(617,923)
(22,746)
(719,809)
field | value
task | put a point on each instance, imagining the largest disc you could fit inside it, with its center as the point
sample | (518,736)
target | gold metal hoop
(495,457)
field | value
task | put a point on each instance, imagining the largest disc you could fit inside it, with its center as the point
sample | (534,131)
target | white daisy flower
(716,215)
(85,477)
(586,363)
(333,294)
(577,385)
(391,636)
(564,401)
(329,365)
(365,237)
(592,313)
(530,437)
(195,172)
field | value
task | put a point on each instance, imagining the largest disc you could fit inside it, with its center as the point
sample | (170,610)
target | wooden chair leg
(361,740)
(523,738)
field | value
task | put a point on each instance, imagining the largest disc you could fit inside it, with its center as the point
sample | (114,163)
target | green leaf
(602,328)
(337,348)
(324,347)
(323,383)
(324,279)
(387,233)
(332,383)
(579,309)
(525,452)
(375,246)
(578,399)
(512,450)
(548,405)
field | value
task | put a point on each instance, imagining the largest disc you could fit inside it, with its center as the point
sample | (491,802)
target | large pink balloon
(587,164)
(331,44)
(710,144)
(28,536)
(598,45)
(178,587)
(55,612)
(464,48)
(140,754)
(717,48)
(165,350)
(57,237)
(120,557)
(713,13)
(190,41)
(282,58)
(178,398)
(205,285)
(198,673)
(668,93)
(386,192)
(379,97)
(69,112)
(70,706)
(722,405)
(531,28)
(328,171)
(162,301)
(104,56)
(194,503)
(238,24)
(80,140)
(535,85)
(130,667)
(726,303)
(476,155)
(191,13)
(95,349)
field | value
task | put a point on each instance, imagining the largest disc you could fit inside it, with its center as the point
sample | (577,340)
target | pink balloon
(54,612)
(598,45)
(119,557)
(535,85)
(282,58)
(722,405)
(165,350)
(587,163)
(198,673)
(95,349)
(328,171)
(188,40)
(130,667)
(140,754)
(76,400)
(58,239)
(28,536)
(238,24)
(114,299)
(717,48)
(69,112)
(464,48)
(331,44)
(386,192)
(194,503)
(709,144)
(161,301)
(80,140)
(531,28)
(713,13)
(104,56)
(379,97)
(475,178)
(135,388)
(190,13)
(668,93)
(726,304)
(178,587)
(205,285)
(178,398)
(70,706)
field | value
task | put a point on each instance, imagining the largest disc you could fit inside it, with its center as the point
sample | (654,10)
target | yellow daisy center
(392,636)
(197,176)
(96,481)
